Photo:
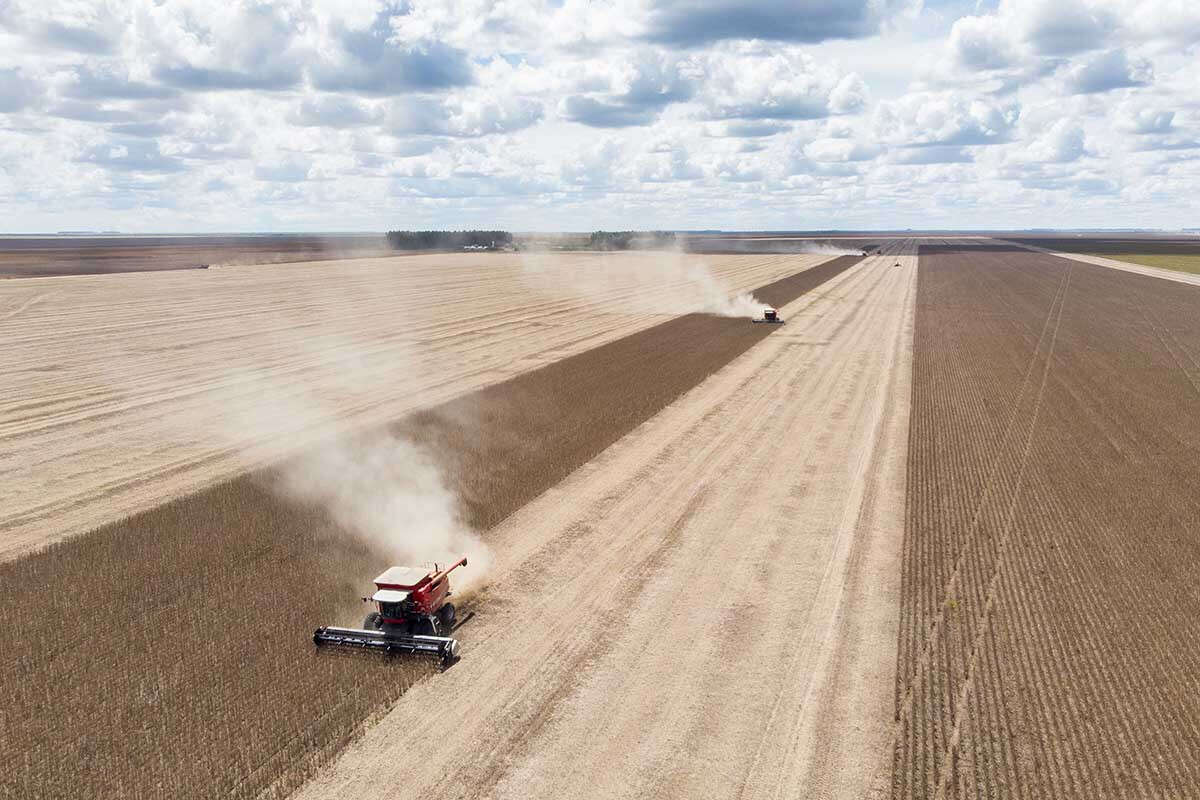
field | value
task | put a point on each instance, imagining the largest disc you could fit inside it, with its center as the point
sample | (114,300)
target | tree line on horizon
(448,240)
(630,240)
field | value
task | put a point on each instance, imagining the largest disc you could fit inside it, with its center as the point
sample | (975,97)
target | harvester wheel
(446,618)
(373,622)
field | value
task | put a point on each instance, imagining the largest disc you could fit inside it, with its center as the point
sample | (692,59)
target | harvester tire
(446,618)
(373,621)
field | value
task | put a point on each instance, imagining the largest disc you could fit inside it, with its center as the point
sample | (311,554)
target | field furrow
(1050,630)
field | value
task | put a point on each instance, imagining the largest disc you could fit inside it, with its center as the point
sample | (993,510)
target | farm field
(707,609)
(1050,630)
(1178,254)
(47,256)
(1189,263)
(211,683)
(928,539)
(132,389)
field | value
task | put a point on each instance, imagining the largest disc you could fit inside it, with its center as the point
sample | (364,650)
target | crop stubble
(1050,622)
(168,654)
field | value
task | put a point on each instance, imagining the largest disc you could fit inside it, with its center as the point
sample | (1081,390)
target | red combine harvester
(411,616)
(770,316)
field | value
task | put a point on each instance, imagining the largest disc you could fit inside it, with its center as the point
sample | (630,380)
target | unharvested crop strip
(181,635)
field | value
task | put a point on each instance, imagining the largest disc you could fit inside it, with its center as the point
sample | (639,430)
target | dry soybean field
(935,536)
(198,611)
(1050,622)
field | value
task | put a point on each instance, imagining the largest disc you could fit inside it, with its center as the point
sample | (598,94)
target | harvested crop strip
(1050,627)
(178,639)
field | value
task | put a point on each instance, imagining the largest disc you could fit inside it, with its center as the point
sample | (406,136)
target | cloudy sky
(203,115)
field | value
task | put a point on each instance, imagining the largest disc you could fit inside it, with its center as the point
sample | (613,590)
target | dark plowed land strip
(169,655)
(1050,622)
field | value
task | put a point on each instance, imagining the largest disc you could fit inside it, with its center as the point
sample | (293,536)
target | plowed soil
(184,637)
(1050,628)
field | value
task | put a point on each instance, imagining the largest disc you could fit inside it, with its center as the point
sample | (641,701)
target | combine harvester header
(412,616)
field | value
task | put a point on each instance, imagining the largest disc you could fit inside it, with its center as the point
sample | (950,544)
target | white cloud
(1061,27)
(1104,72)
(1063,143)
(538,114)
(946,118)
(1137,117)
(840,150)
(17,90)
(758,81)
(982,43)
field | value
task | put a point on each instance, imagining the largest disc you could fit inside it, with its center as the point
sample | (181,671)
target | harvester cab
(411,615)
(771,317)
(413,600)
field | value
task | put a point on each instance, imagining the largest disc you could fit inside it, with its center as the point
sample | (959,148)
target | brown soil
(1050,626)
(181,635)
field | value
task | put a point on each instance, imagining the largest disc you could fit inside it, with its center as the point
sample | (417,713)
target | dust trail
(827,248)
(392,494)
(379,487)
(657,281)
(781,245)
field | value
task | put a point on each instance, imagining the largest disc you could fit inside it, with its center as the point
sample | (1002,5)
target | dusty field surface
(198,614)
(708,609)
(46,256)
(123,391)
(1050,628)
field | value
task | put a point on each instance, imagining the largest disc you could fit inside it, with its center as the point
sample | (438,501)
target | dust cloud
(827,249)
(379,487)
(391,493)
(668,281)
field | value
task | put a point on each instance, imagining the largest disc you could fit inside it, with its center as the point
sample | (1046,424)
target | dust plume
(377,486)
(390,493)
(645,282)
(826,248)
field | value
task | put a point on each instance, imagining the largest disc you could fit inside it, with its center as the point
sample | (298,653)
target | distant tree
(631,240)
(448,240)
